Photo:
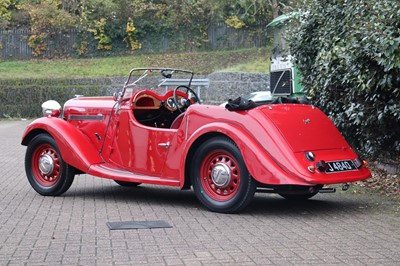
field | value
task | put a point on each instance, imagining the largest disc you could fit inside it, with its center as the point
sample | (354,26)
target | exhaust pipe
(327,190)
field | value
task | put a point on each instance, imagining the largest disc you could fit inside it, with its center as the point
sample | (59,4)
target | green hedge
(348,52)
(24,97)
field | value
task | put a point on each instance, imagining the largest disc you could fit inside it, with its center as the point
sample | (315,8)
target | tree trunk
(275,7)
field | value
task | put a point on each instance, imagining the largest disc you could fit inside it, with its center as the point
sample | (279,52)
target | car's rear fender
(261,165)
(75,147)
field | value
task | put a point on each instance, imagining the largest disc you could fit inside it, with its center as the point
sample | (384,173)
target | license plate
(341,166)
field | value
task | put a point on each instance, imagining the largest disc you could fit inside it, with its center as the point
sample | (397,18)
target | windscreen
(159,80)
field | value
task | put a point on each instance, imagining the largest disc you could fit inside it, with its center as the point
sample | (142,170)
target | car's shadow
(275,205)
(262,204)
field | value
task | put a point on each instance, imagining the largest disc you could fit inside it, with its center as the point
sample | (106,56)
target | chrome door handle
(166,145)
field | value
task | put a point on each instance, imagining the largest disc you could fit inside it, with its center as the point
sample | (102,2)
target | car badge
(307,121)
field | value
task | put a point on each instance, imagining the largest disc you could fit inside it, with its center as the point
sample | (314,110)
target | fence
(14,43)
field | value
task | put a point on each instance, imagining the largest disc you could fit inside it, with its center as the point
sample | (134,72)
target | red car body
(292,149)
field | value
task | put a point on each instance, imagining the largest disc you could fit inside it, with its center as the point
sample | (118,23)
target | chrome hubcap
(221,175)
(46,164)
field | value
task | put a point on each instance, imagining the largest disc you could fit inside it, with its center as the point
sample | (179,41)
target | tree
(5,13)
(348,52)
(274,4)
(109,22)
(46,19)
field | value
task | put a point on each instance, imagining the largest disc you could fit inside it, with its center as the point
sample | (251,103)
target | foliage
(21,98)
(348,52)
(255,12)
(110,22)
(250,12)
(5,14)
(100,35)
(234,22)
(46,18)
(190,17)
(132,36)
(82,42)
(36,42)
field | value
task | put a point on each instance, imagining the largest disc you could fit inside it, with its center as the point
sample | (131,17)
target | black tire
(53,176)
(220,178)
(127,184)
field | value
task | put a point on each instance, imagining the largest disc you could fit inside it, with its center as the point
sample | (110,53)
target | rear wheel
(47,173)
(220,177)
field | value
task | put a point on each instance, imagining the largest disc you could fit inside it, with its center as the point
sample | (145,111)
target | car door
(140,149)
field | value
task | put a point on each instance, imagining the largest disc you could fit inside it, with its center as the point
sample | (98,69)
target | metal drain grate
(137,225)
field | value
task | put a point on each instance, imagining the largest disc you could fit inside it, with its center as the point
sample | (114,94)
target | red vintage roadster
(153,133)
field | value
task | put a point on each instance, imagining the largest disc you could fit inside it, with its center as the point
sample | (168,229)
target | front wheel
(220,177)
(47,173)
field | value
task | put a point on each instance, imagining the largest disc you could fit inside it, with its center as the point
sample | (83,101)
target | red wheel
(220,177)
(46,165)
(47,173)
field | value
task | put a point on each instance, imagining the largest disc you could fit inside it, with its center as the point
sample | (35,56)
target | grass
(260,65)
(247,60)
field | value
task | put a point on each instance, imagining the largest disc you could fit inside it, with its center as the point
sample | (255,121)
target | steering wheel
(181,105)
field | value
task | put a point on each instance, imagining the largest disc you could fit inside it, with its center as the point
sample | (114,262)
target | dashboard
(150,102)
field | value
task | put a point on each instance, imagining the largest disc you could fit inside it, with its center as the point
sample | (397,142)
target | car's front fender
(75,147)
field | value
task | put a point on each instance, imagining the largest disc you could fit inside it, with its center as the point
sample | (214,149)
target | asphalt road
(330,229)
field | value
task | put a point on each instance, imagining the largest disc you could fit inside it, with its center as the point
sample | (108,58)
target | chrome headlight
(51,108)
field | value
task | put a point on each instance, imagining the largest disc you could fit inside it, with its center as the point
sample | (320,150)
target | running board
(110,172)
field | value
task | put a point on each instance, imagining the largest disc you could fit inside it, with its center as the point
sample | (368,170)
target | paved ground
(330,229)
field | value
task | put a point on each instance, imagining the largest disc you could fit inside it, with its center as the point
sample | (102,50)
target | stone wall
(226,85)
(223,85)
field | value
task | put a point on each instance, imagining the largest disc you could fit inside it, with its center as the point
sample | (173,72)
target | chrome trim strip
(187,128)
(86,117)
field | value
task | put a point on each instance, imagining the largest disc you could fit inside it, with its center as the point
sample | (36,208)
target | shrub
(23,97)
(348,52)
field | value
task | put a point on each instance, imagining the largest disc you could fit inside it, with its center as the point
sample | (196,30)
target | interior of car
(153,110)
